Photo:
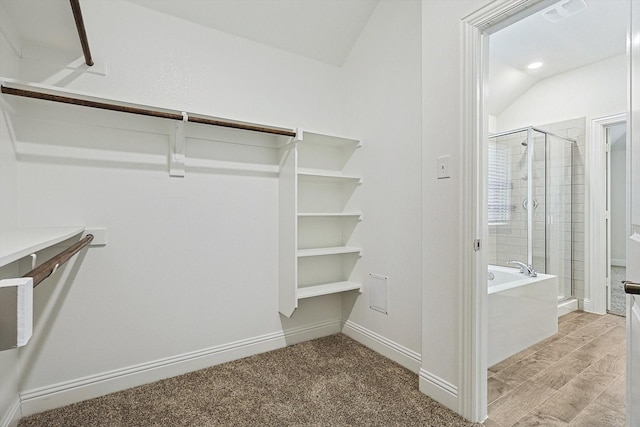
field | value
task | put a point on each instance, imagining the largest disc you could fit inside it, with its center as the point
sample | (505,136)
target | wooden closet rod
(47,268)
(82,32)
(146,112)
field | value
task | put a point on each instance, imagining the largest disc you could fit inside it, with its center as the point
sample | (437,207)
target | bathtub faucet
(525,269)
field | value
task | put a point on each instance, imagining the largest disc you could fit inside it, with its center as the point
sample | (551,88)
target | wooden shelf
(337,250)
(326,289)
(18,243)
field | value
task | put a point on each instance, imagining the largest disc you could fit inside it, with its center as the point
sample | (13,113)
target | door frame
(596,230)
(476,27)
(472,391)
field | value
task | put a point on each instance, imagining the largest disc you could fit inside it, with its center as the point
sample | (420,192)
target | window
(499,191)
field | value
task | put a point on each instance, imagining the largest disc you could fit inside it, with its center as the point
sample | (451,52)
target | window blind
(499,188)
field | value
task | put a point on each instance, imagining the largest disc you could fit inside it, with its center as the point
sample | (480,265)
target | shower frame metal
(530,188)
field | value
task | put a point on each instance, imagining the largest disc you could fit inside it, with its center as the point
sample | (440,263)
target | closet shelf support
(82,32)
(49,267)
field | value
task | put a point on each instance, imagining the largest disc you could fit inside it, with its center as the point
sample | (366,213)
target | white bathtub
(522,311)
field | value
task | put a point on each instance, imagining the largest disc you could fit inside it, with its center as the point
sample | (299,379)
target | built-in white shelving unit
(17,243)
(319,217)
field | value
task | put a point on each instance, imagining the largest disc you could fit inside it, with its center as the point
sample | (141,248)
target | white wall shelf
(326,175)
(328,251)
(357,215)
(327,288)
(319,214)
(18,243)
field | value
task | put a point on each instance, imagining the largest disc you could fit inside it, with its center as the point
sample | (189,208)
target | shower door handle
(631,287)
(525,203)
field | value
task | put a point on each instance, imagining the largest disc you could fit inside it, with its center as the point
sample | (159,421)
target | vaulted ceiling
(326,30)
(593,33)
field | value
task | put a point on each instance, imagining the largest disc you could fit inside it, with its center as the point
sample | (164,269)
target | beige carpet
(331,381)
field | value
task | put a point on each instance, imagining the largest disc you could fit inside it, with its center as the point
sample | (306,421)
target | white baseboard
(439,390)
(618,262)
(390,349)
(12,417)
(431,385)
(568,306)
(77,390)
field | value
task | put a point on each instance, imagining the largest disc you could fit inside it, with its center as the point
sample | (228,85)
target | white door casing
(472,390)
(633,242)
(596,232)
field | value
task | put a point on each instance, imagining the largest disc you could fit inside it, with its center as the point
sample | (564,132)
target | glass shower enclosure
(530,203)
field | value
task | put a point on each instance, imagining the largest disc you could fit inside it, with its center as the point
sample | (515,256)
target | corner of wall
(439,390)
(12,415)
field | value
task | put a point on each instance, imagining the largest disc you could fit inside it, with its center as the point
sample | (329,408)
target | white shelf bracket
(177,152)
(34,261)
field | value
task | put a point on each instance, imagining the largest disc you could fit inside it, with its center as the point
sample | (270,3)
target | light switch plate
(443,167)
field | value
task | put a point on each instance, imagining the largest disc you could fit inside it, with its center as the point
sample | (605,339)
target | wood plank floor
(574,378)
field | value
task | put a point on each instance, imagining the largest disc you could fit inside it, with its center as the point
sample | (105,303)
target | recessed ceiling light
(535,65)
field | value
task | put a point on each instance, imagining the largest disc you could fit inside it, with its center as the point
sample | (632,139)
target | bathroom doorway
(567,97)
(616,202)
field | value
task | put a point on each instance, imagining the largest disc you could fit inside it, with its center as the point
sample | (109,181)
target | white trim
(618,262)
(472,396)
(568,306)
(76,390)
(390,349)
(595,230)
(471,400)
(442,391)
(12,417)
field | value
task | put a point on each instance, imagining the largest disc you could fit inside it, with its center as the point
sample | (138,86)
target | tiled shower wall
(564,243)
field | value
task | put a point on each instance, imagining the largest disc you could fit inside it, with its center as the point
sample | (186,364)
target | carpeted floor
(331,381)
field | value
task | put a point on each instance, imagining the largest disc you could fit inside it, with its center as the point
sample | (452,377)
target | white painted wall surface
(156,59)
(382,107)
(191,263)
(593,91)
(442,244)
(9,359)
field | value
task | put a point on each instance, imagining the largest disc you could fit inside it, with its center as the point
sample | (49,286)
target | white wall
(442,244)
(595,90)
(159,60)
(382,99)
(191,263)
(9,359)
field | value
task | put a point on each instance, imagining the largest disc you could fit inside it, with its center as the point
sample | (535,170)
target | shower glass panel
(559,234)
(529,206)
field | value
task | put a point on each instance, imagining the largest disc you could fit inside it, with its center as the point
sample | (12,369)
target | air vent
(563,9)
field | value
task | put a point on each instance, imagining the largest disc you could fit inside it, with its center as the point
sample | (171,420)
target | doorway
(542,109)
(616,218)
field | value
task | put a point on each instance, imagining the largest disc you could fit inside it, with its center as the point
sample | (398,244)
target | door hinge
(476,245)
(607,147)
